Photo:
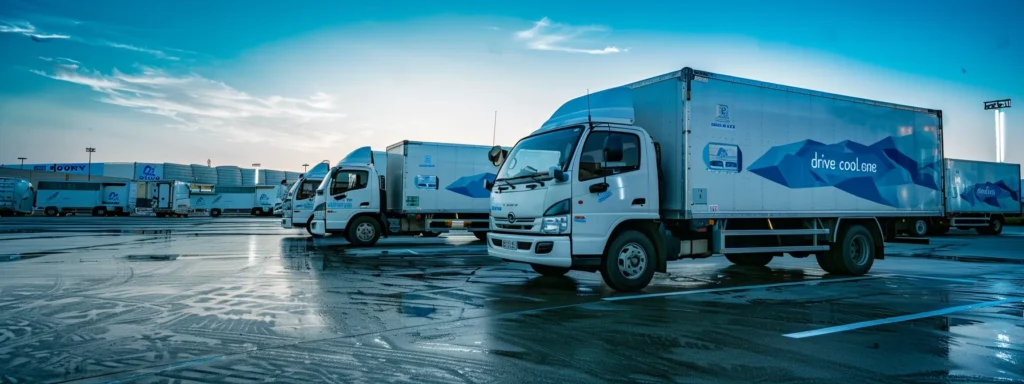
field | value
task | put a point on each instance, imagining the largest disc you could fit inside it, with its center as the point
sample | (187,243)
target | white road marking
(933,278)
(744,287)
(412,252)
(915,316)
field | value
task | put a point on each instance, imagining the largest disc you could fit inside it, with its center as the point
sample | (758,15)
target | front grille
(520,227)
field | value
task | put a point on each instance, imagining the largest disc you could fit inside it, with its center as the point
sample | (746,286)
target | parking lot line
(743,288)
(914,316)
(955,280)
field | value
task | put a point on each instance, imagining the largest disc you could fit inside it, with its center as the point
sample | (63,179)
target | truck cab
(299,202)
(348,200)
(17,197)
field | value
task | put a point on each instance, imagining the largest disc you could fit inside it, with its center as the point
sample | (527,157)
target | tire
(215,213)
(751,260)
(637,254)
(854,254)
(430,234)
(309,226)
(255,212)
(482,236)
(99,211)
(51,211)
(995,227)
(363,231)
(549,271)
(919,228)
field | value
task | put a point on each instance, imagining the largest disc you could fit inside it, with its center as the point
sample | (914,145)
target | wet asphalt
(240,300)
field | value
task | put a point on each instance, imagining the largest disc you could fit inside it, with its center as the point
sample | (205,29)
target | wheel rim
(364,232)
(632,261)
(920,226)
(997,225)
(860,250)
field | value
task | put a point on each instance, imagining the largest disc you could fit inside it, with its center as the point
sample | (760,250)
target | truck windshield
(540,153)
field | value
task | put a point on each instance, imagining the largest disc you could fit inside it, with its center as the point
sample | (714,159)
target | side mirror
(319,192)
(557,174)
(613,155)
(488,185)
(497,155)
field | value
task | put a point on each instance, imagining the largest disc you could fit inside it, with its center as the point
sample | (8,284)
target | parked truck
(264,198)
(691,163)
(978,195)
(17,197)
(170,198)
(202,198)
(99,198)
(429,188)
(298,204)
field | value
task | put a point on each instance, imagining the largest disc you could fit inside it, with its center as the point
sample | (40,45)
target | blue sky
(284,84)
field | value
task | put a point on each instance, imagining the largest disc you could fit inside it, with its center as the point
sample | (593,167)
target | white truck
(170,198)
(298,204)
(17,197)
(99,198)
(202,198)
(264,198)
(978,195)
(429,188)
(691,164)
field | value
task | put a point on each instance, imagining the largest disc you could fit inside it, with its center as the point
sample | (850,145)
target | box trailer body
(424,188)
(232,200)
(170,198)
(264,198)
(201,198)
(299,202)
(94,197)
(982,187)
(692,163)
(17,197)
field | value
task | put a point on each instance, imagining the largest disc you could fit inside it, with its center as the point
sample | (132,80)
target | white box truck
(690,164)
(201,198)
(99,198)
(978,195)
(429,188)
(298,204)
(264,199)
(170,198)
(17,197)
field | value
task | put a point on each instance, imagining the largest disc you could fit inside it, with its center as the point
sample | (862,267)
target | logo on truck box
(113,198)
(722,119)
(989,193)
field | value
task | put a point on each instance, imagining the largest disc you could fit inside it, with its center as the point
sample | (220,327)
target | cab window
(609,153)
(345,181)
(307,189)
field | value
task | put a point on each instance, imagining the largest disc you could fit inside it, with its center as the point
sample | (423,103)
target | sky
(285,83)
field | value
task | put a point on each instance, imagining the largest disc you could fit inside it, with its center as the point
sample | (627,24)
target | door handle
(341,196)
(364,204)
(598,188)
(640,201)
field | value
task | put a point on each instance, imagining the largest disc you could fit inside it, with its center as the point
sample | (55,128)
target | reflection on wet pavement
(184,305)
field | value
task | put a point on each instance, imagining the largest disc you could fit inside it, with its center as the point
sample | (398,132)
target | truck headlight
(555,224)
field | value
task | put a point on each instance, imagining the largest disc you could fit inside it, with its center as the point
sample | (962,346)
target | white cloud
(194,103)
(28,29)
(156,53)
(548,36)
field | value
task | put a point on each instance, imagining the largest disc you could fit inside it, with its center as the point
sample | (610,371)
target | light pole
(998,105)
(22,162)
(257,166)
(304,165)
(90,150)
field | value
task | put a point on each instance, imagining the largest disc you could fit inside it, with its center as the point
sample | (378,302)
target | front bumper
(286,222)
(526,249)
(318,227)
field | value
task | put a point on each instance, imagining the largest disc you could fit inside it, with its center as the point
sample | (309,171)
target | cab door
(348,194)
(608,188)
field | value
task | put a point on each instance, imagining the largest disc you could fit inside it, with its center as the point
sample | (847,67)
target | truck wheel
(547,270)
(919,228)
(482,236)
(51,211)
(309,226)
(854,254)
(99,211)
(363,231)
(995,227)
(214,213)
(751,260)
(255,212)
(628,263)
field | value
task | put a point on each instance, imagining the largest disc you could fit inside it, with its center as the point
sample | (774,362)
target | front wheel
(309,227)
(215,213)
(995,227)
(51,211)
(751,260)
(919,228)
(547,270)
(363,231)
(628,263)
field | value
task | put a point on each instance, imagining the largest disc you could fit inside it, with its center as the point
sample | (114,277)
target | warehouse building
(227,175)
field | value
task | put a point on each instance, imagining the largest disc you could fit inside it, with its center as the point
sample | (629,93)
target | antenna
(589,121)
(494,135)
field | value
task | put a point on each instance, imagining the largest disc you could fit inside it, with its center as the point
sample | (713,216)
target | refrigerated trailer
(17,197)
(170,198)
(99,198)
(979,195)
(429,188)
(691,163)
(201,198)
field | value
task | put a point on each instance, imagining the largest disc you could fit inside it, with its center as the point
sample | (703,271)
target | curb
(968,259)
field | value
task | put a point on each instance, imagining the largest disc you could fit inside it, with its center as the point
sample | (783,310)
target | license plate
(509,245)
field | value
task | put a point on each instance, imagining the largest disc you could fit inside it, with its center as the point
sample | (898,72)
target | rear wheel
(995,227)
(51,211)
(628,263)
(751,260)
(482,236)
(919,228)
(99,211)
(547,270)
(363,231)
(854,254)
(215,213)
